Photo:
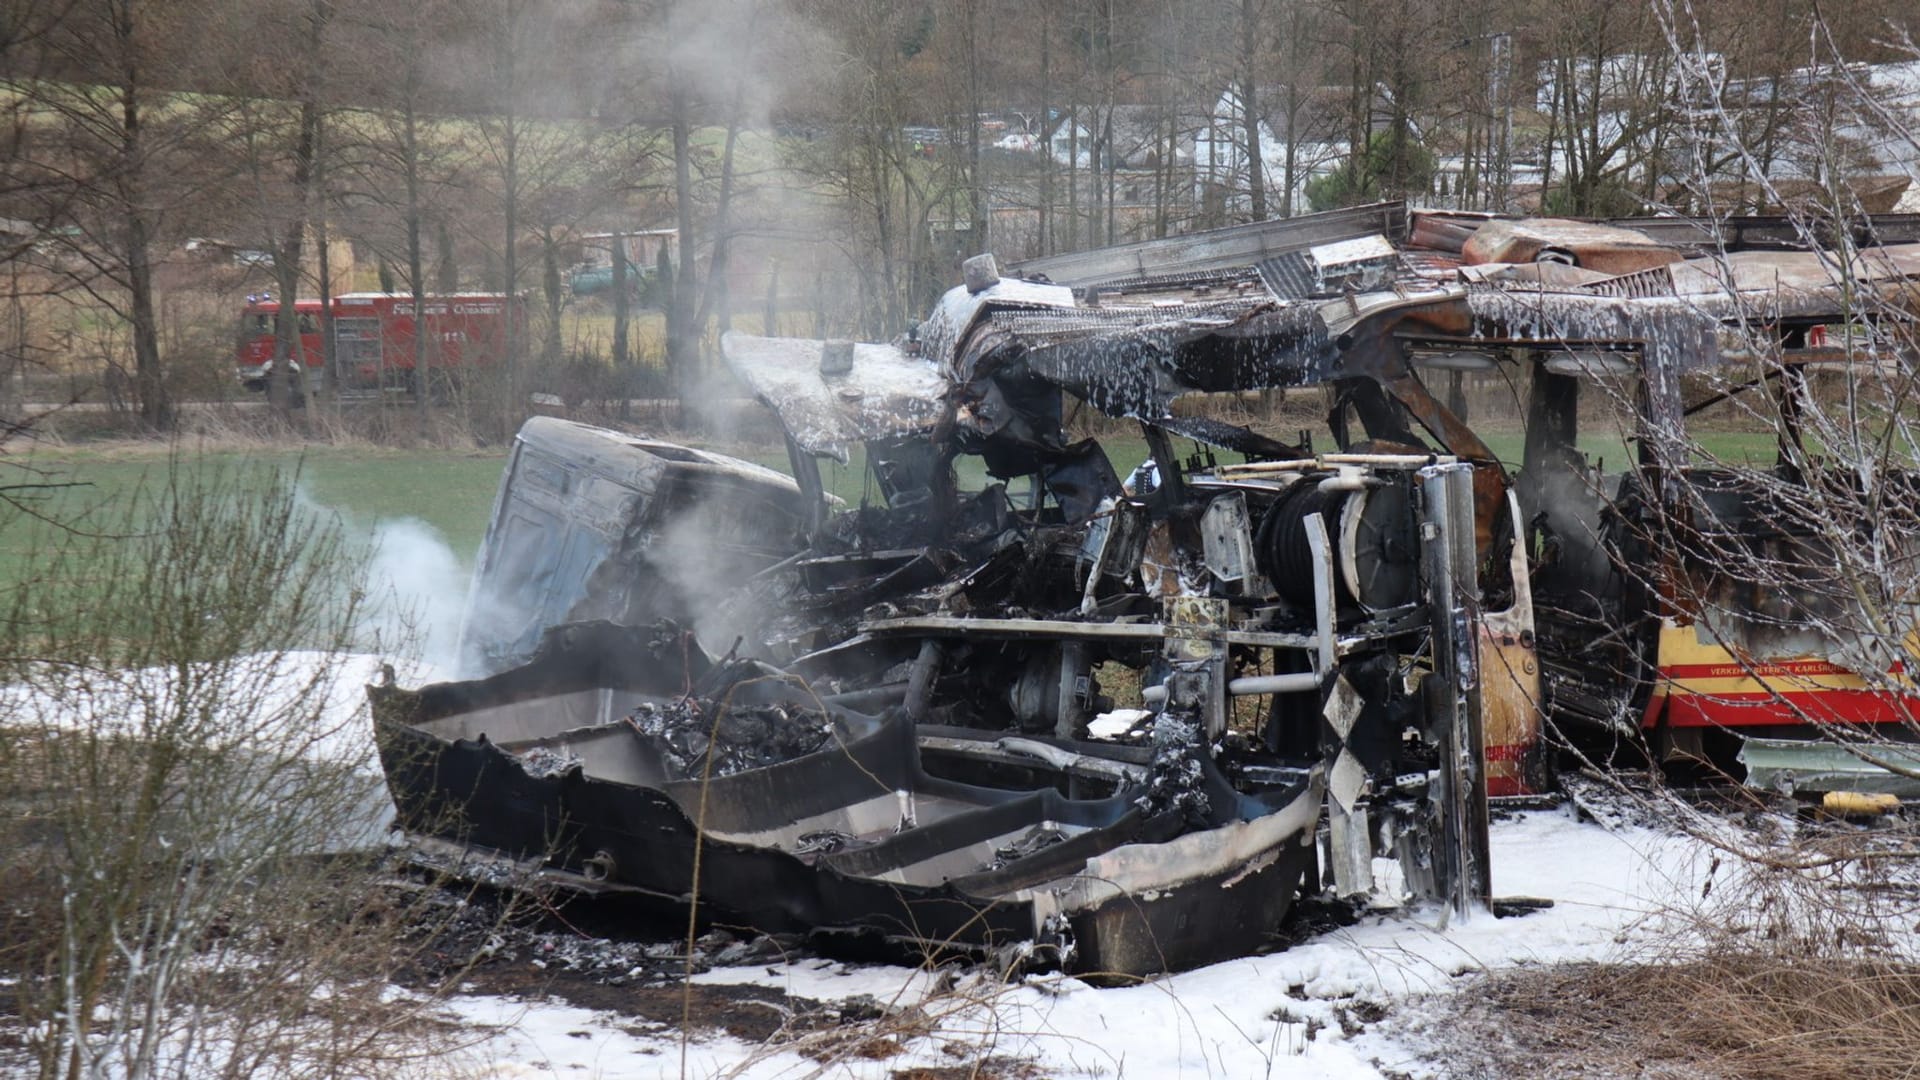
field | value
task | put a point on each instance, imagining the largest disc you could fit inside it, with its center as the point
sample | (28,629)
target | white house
(1304,127)
(1139,135)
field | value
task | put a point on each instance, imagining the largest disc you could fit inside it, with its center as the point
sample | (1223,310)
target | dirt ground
(609,958)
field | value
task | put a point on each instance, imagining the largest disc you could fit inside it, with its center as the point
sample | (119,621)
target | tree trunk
(510,258)
(1250,111)
(289,359)
(1073,179)
(884,228)
(976,183)
(446,266)
(1546,158)
(416,260)
(1291,175)
(329,357)
(288,381)
(1096,187)
(1044,242)
(681,340)
(149,378)
(550,292)
(622,360)
(1359,122)
(1162,171)
(770,317)
(722,217)
(1113,165)
(506,64)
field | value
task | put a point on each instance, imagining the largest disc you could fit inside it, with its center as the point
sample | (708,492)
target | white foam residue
(325,687)
(1112,725)
(1280,1014)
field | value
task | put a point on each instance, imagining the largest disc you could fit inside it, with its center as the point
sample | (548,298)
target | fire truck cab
(373,335)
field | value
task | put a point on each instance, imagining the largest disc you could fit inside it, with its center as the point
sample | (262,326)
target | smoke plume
(412,587)
(416,591)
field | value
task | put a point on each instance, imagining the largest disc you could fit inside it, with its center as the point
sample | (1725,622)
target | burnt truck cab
(591,524)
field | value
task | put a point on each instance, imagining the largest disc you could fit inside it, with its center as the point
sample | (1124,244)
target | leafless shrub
(192,837)
(1796,957)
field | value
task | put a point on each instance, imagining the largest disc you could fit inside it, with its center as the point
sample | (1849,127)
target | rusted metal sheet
(1605,248)
(1228,248)
(1772,232)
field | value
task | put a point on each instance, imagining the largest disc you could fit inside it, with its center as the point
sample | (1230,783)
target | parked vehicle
(373,335)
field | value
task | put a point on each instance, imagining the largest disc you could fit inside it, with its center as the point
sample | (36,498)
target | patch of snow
(277,686)
(547,1039)
(831,980)
(1284,1014)
(275,707)
(1112,725)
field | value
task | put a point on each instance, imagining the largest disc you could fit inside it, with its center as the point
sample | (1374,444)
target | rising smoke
(416,591)
(412,587)
(706,577)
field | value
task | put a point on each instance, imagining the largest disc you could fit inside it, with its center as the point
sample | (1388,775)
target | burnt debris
(1340,651)
(691,745)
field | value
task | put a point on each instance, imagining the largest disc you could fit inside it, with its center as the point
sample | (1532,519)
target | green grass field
(453,491)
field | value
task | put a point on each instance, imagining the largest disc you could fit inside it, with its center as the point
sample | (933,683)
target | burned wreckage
(707,681)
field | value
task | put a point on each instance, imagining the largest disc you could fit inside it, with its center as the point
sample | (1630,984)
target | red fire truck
(373,335)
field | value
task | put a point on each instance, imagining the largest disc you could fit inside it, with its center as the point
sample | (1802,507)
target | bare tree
(123,160)
(887,182)
(409,154)
(503,134)
(277,122)
(1252,42)
(1609,90)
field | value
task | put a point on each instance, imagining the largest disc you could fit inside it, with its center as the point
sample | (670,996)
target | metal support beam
(1321,549)
(1453,695)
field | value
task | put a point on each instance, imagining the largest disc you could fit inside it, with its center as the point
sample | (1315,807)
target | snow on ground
(549,1039)
(1278,1015)
(325,692)
(1287,1013)
(275,706)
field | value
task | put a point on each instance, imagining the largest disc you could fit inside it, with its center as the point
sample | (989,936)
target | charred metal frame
(918,757)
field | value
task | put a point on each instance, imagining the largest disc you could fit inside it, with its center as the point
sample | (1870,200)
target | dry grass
(1753,1015)
(1788,952)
